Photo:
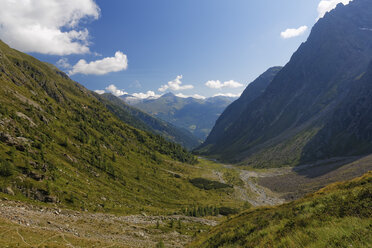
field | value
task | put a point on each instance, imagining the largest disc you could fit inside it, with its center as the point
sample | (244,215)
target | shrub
(6,169)
(206,184)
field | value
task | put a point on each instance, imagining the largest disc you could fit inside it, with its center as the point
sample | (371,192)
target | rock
(9,191)
(52,199)
(36,176)
(72,159)
(140,234)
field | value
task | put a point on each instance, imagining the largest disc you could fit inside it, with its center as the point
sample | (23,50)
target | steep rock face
(349,129)
(302,96)
(234,110)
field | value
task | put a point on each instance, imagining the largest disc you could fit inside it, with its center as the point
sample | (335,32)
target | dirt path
(133,231)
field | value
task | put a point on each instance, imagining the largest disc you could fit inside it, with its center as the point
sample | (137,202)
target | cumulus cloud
(115,91)
(175,85)
(100,92)
(47,26)
(328,5)
(293,32)
(196,96)
(228,94)
(146,95)
(216,84)
(63,63)
(102,66)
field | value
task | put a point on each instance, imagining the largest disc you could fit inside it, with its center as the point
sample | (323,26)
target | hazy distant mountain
(312,109)
(132,100)
(143,121)
(196,115)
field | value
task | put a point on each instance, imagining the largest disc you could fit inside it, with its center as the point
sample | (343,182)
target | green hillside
(339,215)
(59,144)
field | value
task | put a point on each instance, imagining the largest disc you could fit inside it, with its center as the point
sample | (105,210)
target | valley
(41,225)
(286,164)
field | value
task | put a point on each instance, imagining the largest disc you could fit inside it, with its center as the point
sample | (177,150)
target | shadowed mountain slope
(277,128)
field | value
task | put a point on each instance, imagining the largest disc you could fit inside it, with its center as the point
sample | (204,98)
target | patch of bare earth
(301,180)
(116,231)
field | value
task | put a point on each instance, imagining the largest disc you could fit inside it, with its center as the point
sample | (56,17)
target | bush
(228,211)
(206,184)
(6,169)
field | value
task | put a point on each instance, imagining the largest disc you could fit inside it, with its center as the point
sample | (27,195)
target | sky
(198,48)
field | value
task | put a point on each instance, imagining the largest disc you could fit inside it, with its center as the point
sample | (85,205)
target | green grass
(60,144)
(336,216)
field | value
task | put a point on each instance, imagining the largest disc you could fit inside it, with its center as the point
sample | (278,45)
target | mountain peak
(169,94)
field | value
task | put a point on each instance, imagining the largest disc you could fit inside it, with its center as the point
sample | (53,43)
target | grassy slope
(59,144)
(339,215)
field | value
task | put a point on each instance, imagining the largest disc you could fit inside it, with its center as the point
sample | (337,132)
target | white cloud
(63,63)
(146,95)
(293,32)
(328,5)
(175,85)
(216,84)
(102,66)
(46,26)
(100,92)
(115,91)
(228,95)
(196,96)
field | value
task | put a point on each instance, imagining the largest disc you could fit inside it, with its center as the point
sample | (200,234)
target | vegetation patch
(206,184)
(339,215)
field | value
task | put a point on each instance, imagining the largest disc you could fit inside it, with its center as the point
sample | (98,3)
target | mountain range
(141,120)
(195,115)
(316,107)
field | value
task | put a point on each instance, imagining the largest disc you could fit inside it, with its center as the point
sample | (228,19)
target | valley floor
(27,225)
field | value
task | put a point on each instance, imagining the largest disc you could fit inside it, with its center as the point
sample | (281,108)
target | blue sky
(226,42)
